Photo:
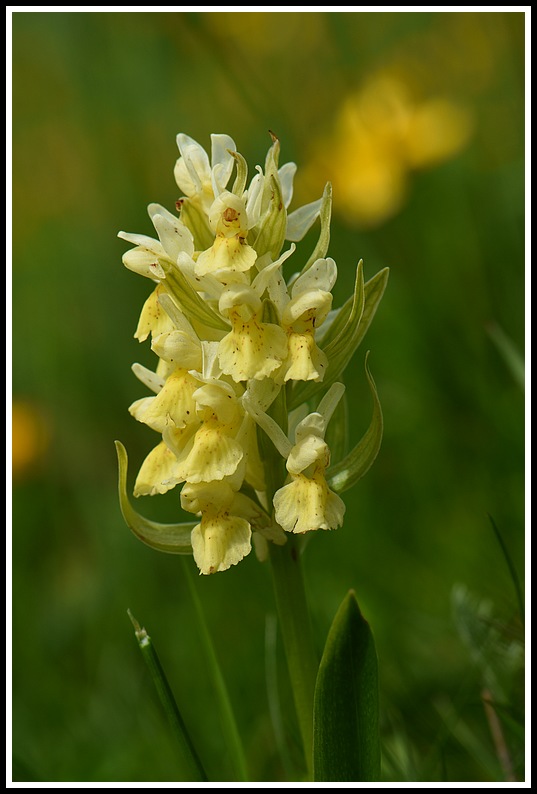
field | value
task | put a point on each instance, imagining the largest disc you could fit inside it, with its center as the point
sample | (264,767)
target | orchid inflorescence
(248,369)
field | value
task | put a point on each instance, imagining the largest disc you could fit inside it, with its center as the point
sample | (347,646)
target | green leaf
(171,538)
(348,316)
(346,745)
(348,471)
(319,252)
(350,327)
(373,292)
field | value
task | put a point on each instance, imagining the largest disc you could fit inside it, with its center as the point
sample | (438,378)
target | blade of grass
(275,710)
(510,565)
(467,737)
(189,759)
(229,724)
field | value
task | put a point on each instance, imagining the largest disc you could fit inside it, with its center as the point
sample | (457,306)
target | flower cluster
(235,344)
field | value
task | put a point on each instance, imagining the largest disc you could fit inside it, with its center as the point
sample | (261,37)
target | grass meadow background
(418,121)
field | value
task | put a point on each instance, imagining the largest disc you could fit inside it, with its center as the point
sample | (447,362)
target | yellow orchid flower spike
(237,346)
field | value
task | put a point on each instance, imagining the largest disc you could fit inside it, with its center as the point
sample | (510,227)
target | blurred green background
(418,120)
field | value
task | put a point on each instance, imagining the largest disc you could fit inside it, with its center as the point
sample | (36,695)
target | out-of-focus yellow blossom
(30,436)
(232,339)
(380,135)
(258,33)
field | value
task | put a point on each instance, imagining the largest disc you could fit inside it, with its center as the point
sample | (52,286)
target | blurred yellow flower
(380,135)
(30,437)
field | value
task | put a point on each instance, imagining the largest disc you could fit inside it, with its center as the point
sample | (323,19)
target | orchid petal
(301,220)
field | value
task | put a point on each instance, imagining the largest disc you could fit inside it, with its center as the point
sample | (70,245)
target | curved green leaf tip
(170,538)
(348,471)
(346,745)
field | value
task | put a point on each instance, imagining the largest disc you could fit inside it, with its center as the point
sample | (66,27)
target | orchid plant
(248,404)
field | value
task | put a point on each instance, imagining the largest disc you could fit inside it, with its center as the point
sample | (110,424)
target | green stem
(189,758)
(231,731)
(297,636)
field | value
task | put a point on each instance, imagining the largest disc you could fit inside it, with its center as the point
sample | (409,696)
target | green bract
(171,538)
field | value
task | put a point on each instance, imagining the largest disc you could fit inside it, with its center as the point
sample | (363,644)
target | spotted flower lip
(174,403)
(235,343)
(228,220)
(253,348)
(307,504)
(223,536)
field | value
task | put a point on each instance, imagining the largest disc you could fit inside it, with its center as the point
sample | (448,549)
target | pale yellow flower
(307,503)
(161,470)
(305,312)
(198,178)
(231,336)
(223,536)
(214,451)
(153,319)
(253,348)
(174,239)
(230,251)
(173,404)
